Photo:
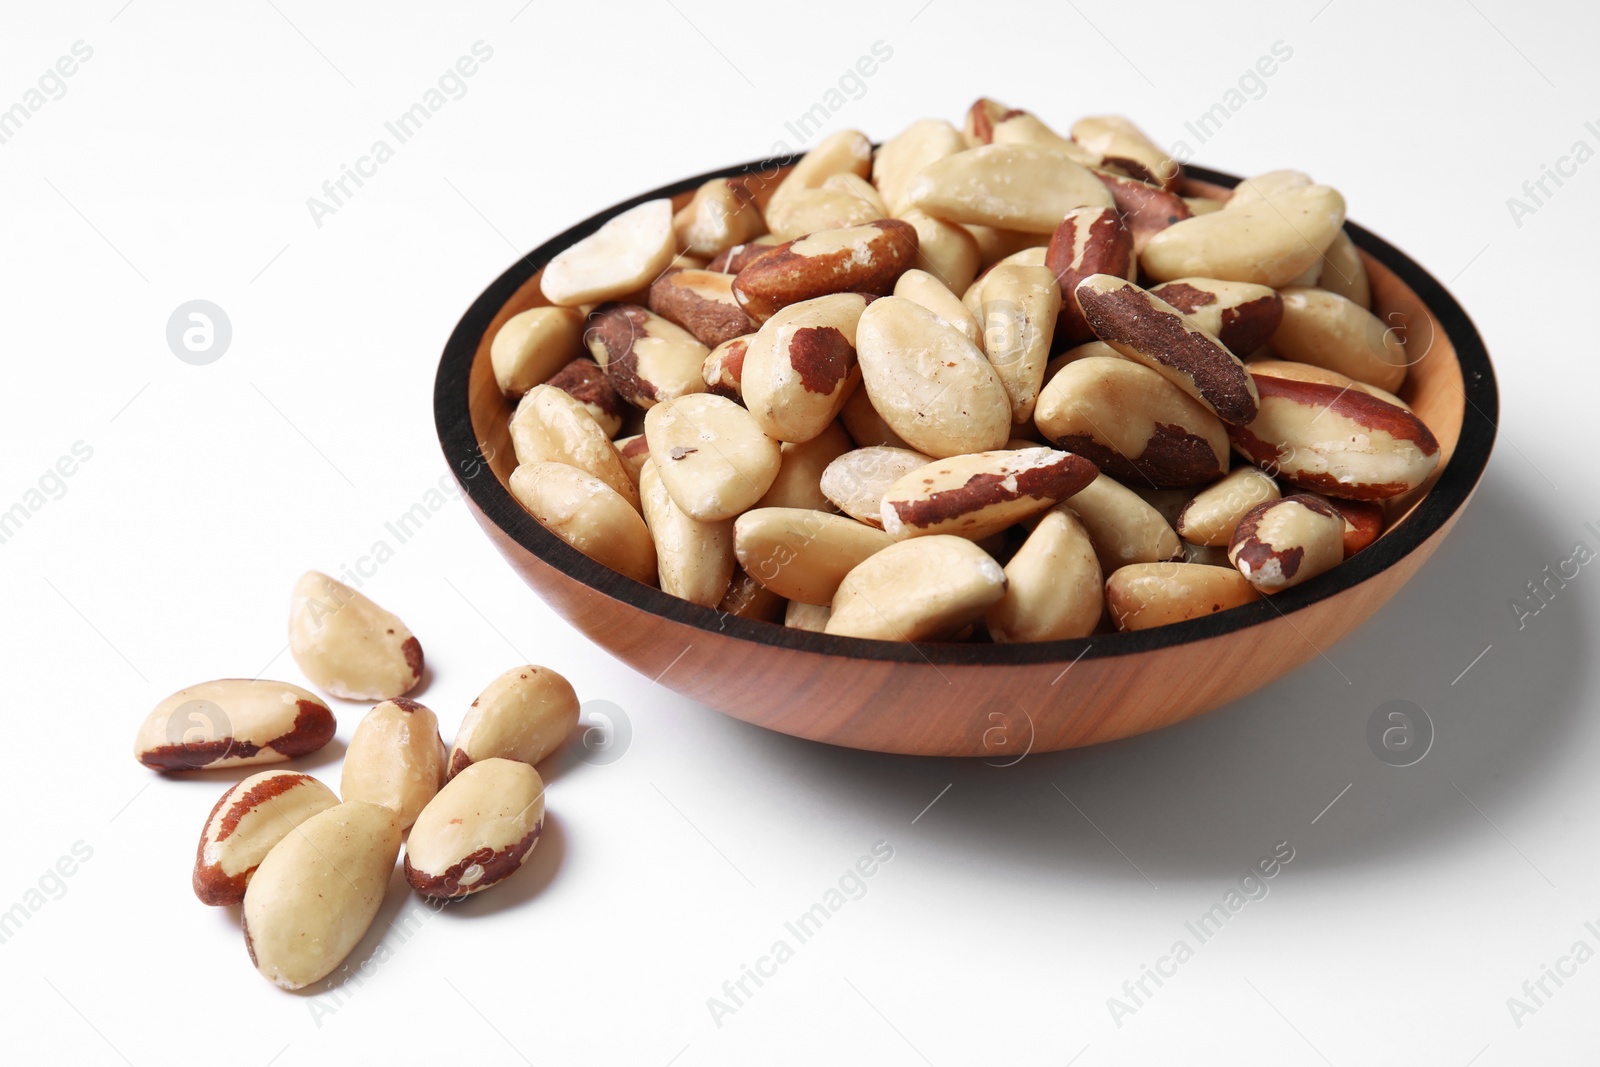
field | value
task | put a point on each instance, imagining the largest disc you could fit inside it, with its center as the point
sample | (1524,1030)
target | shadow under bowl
(995,701)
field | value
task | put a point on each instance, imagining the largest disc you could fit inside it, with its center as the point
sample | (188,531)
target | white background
(177,165)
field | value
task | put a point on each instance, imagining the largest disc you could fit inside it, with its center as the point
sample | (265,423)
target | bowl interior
(1450,386)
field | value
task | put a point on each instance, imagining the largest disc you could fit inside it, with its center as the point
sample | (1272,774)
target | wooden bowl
(999,701)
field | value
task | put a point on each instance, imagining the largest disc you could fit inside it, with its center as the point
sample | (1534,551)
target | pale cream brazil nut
(1269,241)
(841,200)
(348,645)
(1019,306)
(800,470)
(721,214)
(1122,526)
(533,345)
(803,555)
(477,831)
(1345,272)
(841,152)
(711,454)
(232,722)
(524,714)
(921,287)
(587,514)
(551,426)
(946,250)
(1053,589)
(1013,186)
(1144,595)
(863,423)
(932,386)
(623,256)
(396,758)
(923,589)
(694,559)
(315,894)
(1327,330)
(1212,515)
(245,824)
(903,156)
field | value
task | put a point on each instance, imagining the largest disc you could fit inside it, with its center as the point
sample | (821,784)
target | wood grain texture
(978,700)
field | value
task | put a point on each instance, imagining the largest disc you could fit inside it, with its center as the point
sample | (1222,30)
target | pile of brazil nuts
(309,867)
(989,383)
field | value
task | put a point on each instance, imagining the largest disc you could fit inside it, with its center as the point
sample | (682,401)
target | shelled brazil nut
(1042,344)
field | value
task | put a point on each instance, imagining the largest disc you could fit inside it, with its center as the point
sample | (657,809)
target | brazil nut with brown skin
(1281,543)
(701,301)
(1363,521)
(1147,329)
(1241,315)
(857,259)
(245,824)
(740,256)
(1090,240)
(1145,208)
(477,831)
(648,358)
(723,369)
(1336,440)
(585,382)
(983,493)
(800,366)
(233,722)
(1132,423)
(1122,144)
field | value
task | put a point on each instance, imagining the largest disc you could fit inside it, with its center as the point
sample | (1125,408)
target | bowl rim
(1451,490)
